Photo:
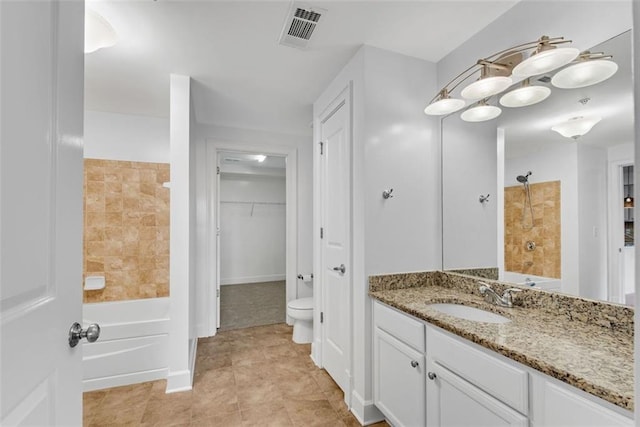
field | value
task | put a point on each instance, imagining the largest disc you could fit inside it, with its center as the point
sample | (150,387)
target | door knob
(76,333)
(341,269)
(414,364)
(432,375)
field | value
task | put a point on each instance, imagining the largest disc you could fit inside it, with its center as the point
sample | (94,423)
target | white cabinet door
(563,407)
(41,113)
(399,381)
(451,401)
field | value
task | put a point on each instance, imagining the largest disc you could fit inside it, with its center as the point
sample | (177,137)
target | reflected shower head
(523,179)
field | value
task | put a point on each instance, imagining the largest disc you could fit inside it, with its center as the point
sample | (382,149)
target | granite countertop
(596,359)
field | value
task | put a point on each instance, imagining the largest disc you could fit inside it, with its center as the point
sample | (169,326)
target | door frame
(615,219)
(344,98)
(209,318)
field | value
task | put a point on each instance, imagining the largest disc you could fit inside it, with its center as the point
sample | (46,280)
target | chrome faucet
(506,300)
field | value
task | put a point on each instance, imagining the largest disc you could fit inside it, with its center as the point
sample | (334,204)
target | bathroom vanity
(559,366)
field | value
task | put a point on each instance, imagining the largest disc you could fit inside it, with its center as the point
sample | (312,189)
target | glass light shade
(444,106)
(486,87)
(527,95)
(576,127)
(545,61)
(584,74)
(481,113)
(98,33)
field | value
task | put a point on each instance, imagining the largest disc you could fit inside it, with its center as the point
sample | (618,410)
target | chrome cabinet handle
(342,269)
(432,375)
(414,364)
(92,333)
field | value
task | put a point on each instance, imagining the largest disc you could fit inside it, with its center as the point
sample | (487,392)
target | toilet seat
(301,308)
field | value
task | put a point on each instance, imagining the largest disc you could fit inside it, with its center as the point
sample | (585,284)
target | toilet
(301,311)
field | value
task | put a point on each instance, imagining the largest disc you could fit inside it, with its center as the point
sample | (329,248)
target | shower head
(523,179)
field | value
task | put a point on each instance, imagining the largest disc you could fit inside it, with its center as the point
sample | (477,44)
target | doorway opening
(252,239)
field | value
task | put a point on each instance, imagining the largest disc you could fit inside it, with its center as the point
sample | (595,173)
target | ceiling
(241,76)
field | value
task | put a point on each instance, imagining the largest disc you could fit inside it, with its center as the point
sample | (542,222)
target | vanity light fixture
(628,202)
(545,58)
(590,69)
(525,95)
(444,104)
(98,32)
(576,126)
(481,112)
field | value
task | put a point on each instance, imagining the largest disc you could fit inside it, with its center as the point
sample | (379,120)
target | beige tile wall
(126,229)
(545,260)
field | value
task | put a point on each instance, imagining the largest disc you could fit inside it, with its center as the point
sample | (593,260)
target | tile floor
(245,377)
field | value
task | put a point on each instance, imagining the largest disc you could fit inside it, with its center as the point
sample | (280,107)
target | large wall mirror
(524,204)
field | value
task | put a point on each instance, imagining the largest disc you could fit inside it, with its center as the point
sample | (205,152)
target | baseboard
(365,411)
(124,379)
(252,279)
(179,381)
(193,350)
(315,353)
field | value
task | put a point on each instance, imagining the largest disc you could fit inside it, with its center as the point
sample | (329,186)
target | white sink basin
(470,313)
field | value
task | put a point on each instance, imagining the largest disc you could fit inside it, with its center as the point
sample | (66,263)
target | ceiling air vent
(300,24)
(544,79)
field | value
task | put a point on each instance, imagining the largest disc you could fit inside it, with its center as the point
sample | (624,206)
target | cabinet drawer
(400,325)
(502,380)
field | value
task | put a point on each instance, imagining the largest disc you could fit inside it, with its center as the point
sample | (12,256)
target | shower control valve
(530,245)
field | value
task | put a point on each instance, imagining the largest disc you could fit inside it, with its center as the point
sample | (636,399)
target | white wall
(469,169)
(592,221)
(126,137)
(559,164)
(252,236)
(181,354)
(394,146)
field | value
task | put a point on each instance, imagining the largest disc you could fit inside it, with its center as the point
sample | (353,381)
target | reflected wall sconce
(98,32)
(576,126)
(497,73)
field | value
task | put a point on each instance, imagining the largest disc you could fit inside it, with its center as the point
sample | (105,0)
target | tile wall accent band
(126,229)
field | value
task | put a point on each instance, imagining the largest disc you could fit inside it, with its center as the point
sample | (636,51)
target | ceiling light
(545,61)
(480,113)
(576,126)
(525,95)
(444,105)
(584,73)
(486,87)
(261,157)
(98,33)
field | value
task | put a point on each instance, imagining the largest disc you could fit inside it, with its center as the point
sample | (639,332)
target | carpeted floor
(252,304)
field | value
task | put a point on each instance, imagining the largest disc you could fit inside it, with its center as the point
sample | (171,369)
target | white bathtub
(546,283)
(133,344)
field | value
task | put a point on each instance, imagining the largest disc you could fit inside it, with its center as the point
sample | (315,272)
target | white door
(335,253)
(41,117)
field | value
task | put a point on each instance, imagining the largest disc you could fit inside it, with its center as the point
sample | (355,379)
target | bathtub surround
(126,229)
(559,335)
(545,258)
(133,345)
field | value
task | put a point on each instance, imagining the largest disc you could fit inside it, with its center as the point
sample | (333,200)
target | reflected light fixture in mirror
(525,95)
(576,126)
(444,105)
(628,202)
(481,113)
(585,73)
(98,32)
